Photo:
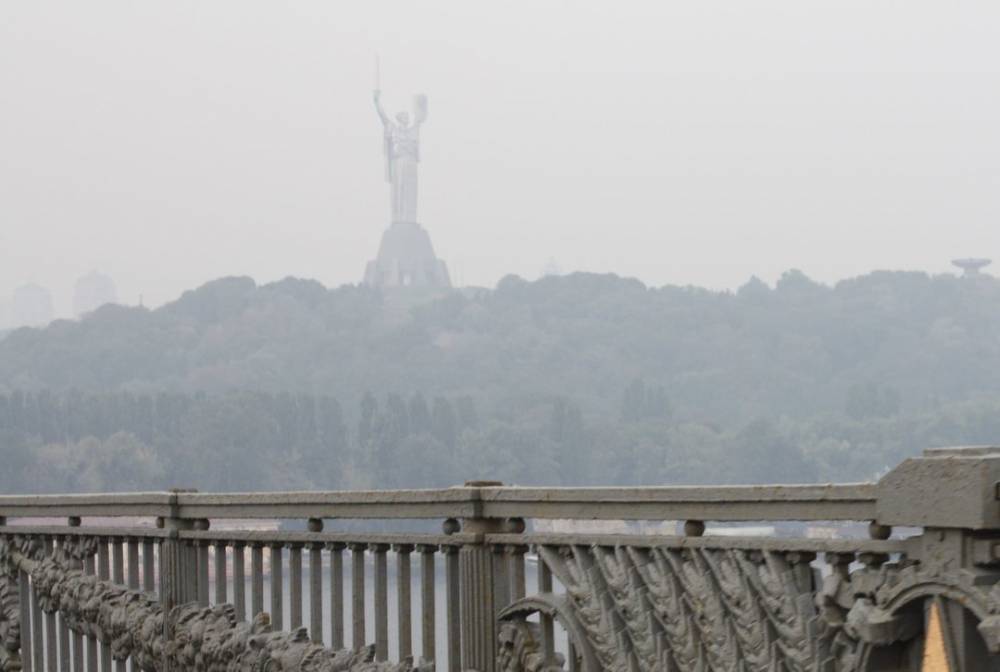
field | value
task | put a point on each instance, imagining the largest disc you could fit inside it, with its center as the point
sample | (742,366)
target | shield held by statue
(420,108)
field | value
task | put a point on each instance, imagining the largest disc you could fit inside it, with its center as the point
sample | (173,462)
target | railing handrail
(851,501)
(833,502)
(90,504)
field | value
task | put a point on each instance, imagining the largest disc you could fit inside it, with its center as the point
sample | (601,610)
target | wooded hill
(575,379)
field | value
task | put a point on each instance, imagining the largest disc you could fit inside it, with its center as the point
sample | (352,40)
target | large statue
(405,257)
(402,154)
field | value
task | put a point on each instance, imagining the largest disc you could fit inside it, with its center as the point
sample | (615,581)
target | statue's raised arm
(386,121)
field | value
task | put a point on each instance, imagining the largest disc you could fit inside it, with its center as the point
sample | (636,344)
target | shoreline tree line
(582,379)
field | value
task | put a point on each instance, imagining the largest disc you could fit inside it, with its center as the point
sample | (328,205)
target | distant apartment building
(93,291)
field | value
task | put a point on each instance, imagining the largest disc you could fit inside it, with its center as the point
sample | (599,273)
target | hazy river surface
(440,607)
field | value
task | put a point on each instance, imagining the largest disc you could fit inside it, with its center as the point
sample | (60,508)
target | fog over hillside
(796,348)
(573,379)
(157,156)
(169,143)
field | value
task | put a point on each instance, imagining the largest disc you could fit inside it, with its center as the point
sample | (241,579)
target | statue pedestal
(406,259)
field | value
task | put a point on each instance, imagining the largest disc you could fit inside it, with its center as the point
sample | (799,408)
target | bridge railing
(141,581)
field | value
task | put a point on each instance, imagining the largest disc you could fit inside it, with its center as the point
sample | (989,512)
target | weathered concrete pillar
(175,567)
(952,493)
(479,596)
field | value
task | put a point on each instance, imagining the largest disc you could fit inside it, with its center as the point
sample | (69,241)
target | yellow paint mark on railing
(935,649)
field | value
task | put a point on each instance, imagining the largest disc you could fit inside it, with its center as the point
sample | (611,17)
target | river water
(440,608)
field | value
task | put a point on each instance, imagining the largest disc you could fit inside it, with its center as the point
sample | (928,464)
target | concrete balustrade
(459,597)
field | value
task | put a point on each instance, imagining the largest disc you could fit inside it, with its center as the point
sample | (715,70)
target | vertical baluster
(162,564)
(404,615)
(203,587)
(75,640)
(168,584)
(148,566)
(256,579)
(381,602)
(117,561)
(185,571)
(88,568)
(190,570)
(64,648)
(132,560)
(27,636)
(452,598)
(37,632)
(76,646)
(277,586)
(295,589)
(517,583)
(162,580)
(220,573)
(316,592)
(104,573)
(358,595)
(133,563)
(51,643)
(132,568)
(501,580)
(548,630)
(428,582)
(337,596)
(239,580)
(51,650)
(118,576)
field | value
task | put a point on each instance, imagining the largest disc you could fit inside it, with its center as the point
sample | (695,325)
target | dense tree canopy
(575,379)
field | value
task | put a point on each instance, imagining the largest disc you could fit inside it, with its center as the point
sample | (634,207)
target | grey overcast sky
(167,143)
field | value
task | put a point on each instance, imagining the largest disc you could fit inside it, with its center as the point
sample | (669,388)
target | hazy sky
(170,142)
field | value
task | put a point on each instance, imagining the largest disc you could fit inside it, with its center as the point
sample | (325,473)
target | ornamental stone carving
(208,639)
(706,609)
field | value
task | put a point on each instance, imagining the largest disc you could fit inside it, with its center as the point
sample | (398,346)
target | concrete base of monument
(406,259)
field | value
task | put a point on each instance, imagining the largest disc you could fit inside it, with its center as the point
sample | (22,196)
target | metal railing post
(479,595)
(175,568)
(953,494)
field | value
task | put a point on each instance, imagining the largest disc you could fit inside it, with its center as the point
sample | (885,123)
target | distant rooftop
(971,266)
